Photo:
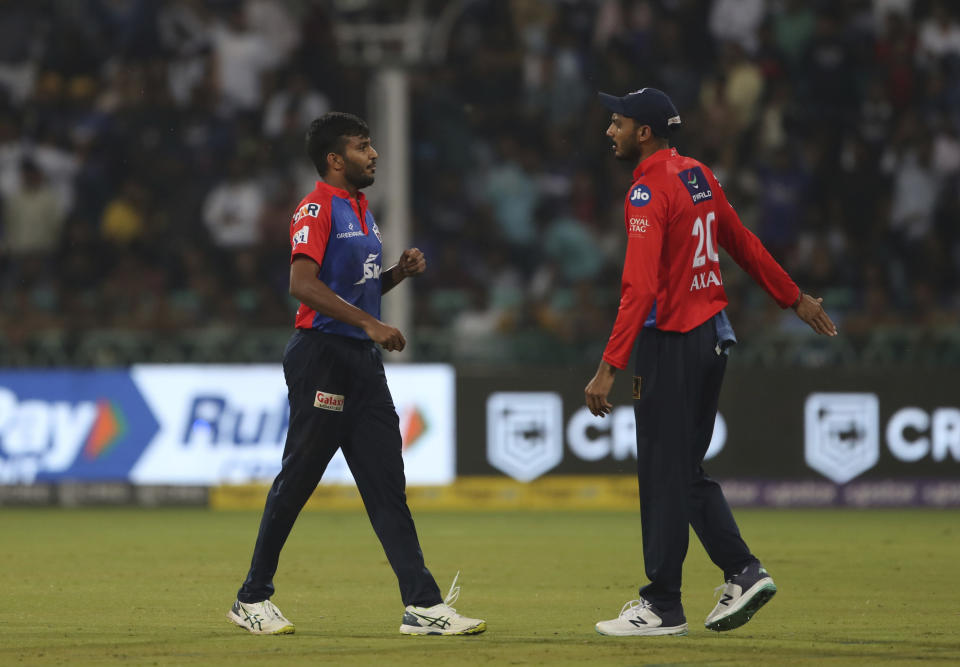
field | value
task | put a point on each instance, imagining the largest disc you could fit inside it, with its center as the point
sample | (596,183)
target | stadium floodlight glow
(841,434)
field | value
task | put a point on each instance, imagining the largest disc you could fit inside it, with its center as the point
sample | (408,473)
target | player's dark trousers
(680,377)
(368,431)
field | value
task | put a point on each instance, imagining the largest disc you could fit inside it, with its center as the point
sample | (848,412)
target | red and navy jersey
(676,217)
(339,234)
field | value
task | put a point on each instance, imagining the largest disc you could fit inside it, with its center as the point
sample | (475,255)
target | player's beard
(357,176)
(627,152)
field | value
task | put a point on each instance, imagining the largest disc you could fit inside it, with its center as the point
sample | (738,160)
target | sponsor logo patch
(311,210)
(637,386)
(301,236)
(332,402)
(696,184)
(640,195)
(637,226)
(376,230)
(348,235)
(371,269)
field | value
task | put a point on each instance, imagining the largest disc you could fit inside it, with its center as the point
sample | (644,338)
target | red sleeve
(645,229)
(747,251)
(310,231)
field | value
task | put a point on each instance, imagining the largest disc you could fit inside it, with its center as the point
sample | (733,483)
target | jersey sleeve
(747,251)
(310,231)
(638,289)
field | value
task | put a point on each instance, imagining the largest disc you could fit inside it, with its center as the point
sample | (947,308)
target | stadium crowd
(151,155)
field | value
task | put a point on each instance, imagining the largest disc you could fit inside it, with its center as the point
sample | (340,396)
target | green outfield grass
(152,586)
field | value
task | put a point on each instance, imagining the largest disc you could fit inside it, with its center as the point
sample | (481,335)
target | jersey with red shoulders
(338,232)
(676,217)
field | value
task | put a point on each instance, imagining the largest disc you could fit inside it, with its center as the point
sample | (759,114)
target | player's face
(360,162)
(623,132)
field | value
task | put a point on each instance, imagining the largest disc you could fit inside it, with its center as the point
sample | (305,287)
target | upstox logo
(79,425)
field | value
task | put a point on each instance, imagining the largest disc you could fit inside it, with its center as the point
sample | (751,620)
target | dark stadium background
(151,154)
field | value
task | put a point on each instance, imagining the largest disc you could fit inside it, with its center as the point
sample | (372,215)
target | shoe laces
(634,606)
(272,609)
(454,593)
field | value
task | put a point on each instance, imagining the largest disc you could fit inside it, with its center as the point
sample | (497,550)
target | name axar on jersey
(676,216)
(341,236)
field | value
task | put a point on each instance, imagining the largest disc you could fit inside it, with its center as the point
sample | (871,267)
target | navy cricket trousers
(680,375)
(367,429)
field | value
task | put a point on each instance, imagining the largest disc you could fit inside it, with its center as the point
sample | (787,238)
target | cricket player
(337,388)
(672,304)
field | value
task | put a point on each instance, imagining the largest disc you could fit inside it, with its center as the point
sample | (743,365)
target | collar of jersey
(660,156)
(339,192)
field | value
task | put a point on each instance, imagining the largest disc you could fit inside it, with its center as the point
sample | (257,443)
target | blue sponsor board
(71,425)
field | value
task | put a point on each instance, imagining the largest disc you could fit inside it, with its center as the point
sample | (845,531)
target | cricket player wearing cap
(672,303)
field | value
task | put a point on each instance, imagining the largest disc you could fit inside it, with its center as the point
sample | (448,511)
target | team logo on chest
(371,269)
(376,230)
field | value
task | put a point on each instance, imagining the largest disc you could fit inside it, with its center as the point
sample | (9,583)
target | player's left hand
(810,310)
(412,263)
(598,389)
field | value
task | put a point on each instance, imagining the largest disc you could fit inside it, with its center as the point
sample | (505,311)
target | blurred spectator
(292,107)
(510,188)
(185,34)
(33,216)
(737,21)
(783,185)
(231,212)
(241,57)
(939,35)
(124,218)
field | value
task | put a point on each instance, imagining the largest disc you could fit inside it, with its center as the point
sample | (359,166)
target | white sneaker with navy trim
(640,618)
(740,597)
(260,618)
(440,619)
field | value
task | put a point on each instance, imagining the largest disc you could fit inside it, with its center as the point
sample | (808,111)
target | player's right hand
(387,336)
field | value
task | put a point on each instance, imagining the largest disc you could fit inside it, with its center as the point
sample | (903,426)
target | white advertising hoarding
(195,424)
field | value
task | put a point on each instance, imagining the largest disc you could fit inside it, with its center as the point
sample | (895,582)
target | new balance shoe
(260,618)
(440,619)
(640,618)
(741,596)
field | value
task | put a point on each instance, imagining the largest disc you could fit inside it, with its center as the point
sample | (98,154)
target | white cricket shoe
(741,597)
(440,619)
(260,618)
(639,618)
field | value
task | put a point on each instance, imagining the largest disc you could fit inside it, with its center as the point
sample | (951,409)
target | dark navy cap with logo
(648,106)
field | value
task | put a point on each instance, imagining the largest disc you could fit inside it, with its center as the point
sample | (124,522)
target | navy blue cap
(647,106)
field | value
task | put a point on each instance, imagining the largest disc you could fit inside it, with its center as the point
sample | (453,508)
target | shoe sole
(414,631)
(756,597)
(675,631)
(285,630)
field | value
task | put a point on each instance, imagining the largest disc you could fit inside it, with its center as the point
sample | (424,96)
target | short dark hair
(328,134)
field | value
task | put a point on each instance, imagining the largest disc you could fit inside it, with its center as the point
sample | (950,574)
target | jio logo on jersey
(640,195)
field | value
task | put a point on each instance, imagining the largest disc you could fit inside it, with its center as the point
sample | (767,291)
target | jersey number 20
(704,240)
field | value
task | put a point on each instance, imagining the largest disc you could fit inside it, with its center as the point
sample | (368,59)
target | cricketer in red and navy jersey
(337,232)
(676,215)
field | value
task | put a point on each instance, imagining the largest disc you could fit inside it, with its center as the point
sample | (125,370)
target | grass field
(152,586)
